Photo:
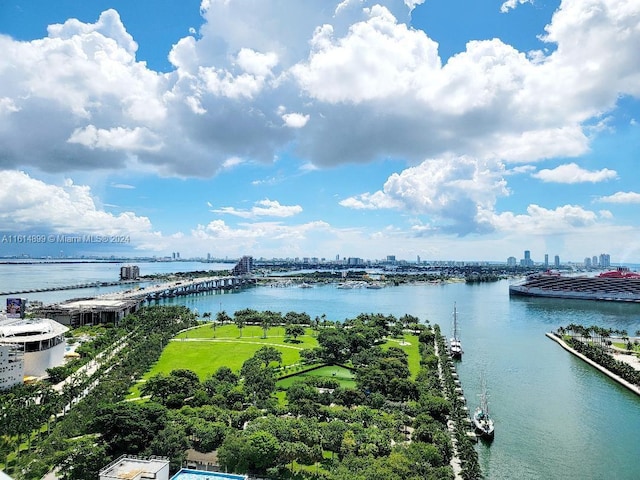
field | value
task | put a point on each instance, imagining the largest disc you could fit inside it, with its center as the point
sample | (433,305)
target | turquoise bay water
(556,417)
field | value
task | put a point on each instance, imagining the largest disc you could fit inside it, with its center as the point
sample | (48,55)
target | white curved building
(40,339)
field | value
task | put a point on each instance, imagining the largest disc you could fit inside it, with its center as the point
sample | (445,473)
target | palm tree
(265,323)
(223,317)
(240,322)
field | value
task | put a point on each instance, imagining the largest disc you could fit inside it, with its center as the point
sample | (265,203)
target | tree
(259,380)
(265,323)
(254,452)
(334,347)
(240,323)
(263,450)
(223,317)
(173,388)
(83,459)
(209,435)
(268,354)
(129,427)
(171,442)
(294,331)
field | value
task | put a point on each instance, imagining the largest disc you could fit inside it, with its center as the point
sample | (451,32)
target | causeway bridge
(181,287)
(112,307)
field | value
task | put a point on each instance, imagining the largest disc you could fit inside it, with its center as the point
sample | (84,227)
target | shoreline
(634,388)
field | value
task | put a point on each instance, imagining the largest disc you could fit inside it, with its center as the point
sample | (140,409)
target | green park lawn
(198,350)
(410,347)
(344,376)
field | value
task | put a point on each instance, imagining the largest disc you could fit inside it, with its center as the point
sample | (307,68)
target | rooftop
(31,329)
(129,467)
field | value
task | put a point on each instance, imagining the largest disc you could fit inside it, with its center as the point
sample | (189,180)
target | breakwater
(634,388)
(68,287)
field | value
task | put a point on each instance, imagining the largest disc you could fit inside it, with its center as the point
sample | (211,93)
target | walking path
(456,463)
(234,340)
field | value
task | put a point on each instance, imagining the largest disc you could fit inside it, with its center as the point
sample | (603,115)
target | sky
(438,129)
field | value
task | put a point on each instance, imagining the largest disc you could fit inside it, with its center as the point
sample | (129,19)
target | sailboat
(482,421)
(455,347)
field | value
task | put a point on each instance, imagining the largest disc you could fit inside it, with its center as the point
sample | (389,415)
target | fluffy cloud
(538,221)
(572,173)
(331,82)
(370,86)
(511,4)
(454,191)
(621,197)
(263,208)
(27,204)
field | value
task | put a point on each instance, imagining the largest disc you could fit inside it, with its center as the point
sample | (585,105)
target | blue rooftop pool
(187,474)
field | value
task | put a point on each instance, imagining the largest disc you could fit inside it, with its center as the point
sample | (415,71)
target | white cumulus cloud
(572,173)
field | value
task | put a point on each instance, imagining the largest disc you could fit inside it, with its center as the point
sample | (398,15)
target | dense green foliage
(390,425)
(593,342)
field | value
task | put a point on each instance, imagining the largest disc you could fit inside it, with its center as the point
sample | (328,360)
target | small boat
(482,421)
(305,285)
(455,346)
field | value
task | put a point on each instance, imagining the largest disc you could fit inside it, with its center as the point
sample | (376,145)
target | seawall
(634,388)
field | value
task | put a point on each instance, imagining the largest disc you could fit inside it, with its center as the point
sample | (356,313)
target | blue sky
(449,130)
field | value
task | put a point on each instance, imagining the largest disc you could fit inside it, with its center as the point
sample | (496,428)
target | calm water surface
(556,417)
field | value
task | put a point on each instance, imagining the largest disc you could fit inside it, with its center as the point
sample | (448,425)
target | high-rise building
(556,261)
(244,266)
(605,260)
(594,261)
(587,262)
(129,272)
(511,262)
(546,260)
(526,261)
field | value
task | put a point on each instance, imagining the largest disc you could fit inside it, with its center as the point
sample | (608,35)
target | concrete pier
(634,388)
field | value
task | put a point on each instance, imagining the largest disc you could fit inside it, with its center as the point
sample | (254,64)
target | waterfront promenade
(632,360)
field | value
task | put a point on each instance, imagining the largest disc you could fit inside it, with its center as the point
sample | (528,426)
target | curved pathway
(233,340)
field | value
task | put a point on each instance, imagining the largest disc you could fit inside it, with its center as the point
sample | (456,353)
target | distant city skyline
(602,260)
(439,129)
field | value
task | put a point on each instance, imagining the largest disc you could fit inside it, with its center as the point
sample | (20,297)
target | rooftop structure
(90,311)
(41,340)
(130,467)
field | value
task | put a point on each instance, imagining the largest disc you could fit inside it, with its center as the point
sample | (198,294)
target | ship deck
(579,287)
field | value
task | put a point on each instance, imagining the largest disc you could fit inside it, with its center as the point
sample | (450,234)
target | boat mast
(455,322)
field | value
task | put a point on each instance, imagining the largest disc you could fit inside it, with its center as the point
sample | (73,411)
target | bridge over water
(112,307)
(181,288)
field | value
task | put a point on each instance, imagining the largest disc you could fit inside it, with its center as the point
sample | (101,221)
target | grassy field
(410,347)
(344,376)
(204,351)
(198,350)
